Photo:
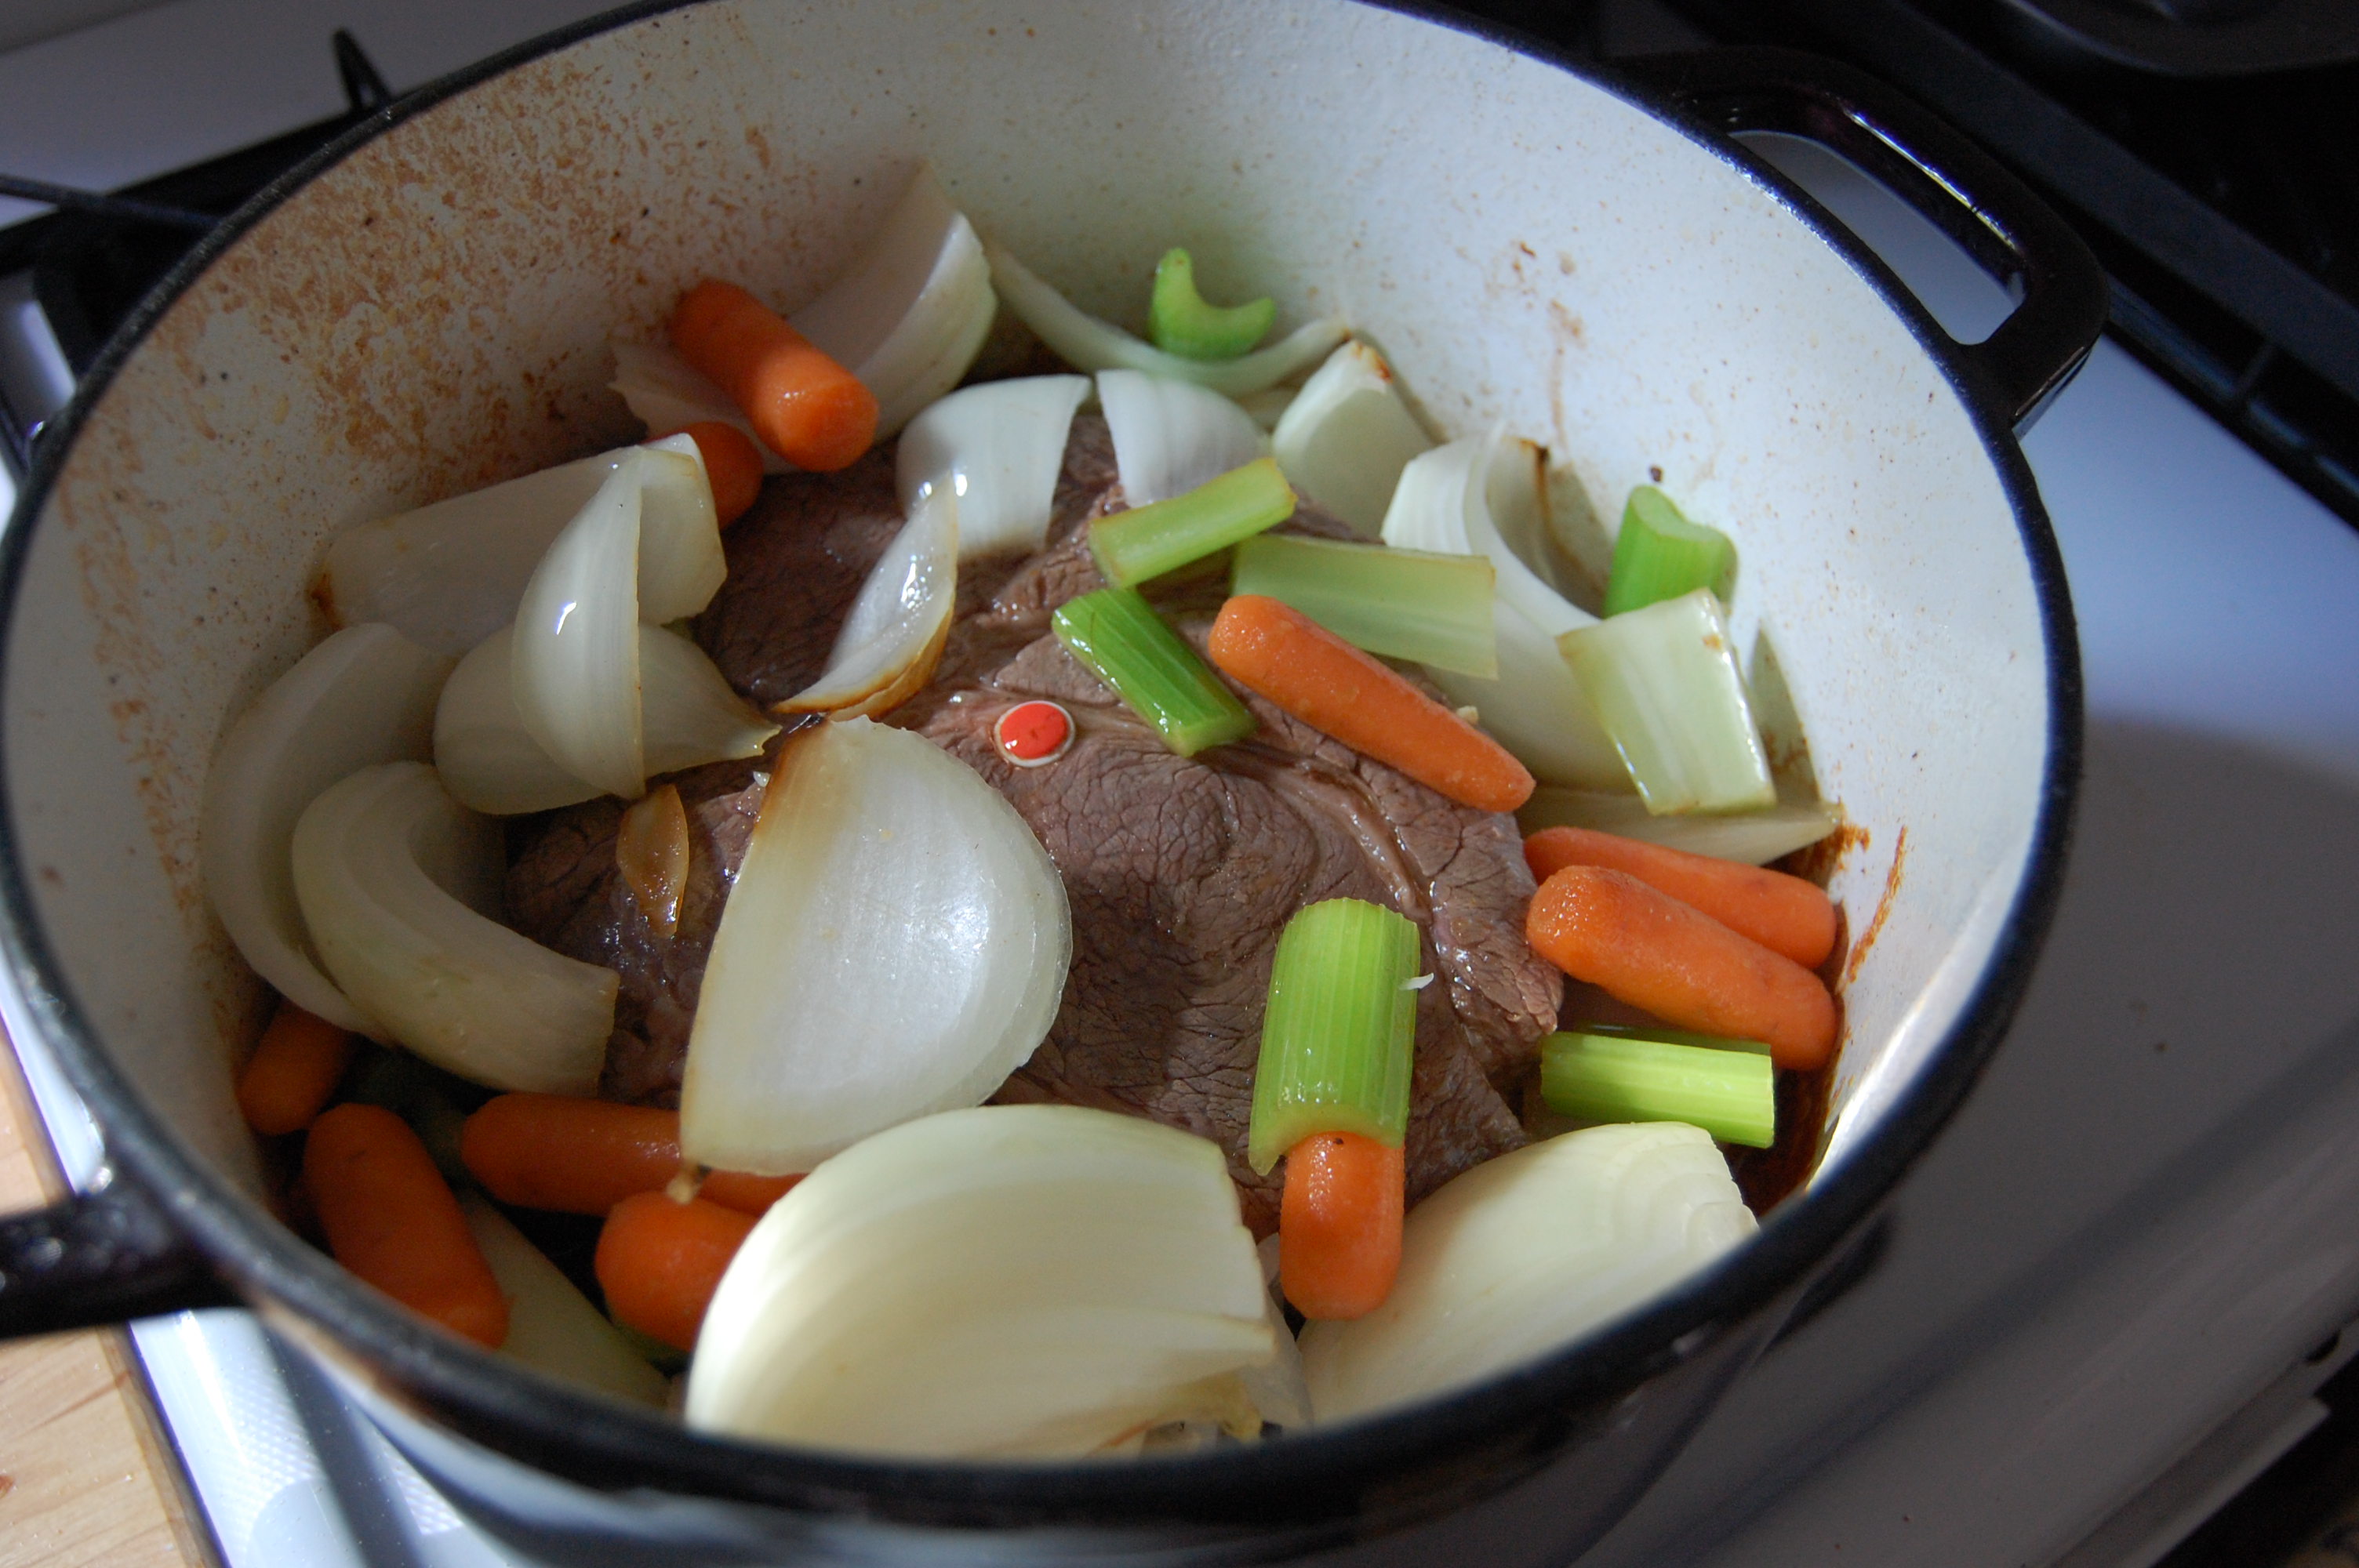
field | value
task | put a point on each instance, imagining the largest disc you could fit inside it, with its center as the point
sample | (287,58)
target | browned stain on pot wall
(1866,939)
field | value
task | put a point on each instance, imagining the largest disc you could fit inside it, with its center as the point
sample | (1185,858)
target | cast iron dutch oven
(424,307)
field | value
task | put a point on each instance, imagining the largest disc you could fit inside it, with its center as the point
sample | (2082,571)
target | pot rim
(1314,1474)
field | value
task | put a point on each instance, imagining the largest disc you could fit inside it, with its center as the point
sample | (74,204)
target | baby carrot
(584,1156)
(1339,1224)
(1785,915)
(732,466)
(1650,950)
(1274,650)
(808,408)
(293,1071)
(659,1262)
(746,1192)
(390,1218)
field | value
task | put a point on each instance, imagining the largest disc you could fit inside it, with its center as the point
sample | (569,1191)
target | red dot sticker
(1032,734)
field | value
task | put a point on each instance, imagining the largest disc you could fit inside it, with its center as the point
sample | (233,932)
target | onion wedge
(689,716)
(1088,343)
(895,944)
(911,311)
(1526,1253)
(552,1327)
(1172,436)
(1755,838)
(894,636)
(1345,438)
(450,575)
(362,697)
(1010,1281)
(1536,707)
(398,883)
(999,448)
(573,667)
(667,393)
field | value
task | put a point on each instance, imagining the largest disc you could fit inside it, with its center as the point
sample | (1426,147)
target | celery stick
(1664,684)
(1661,555)
(1674,1037)
(1169,534)
(1733,1095)
(1125,645)
(1180,322)
(1337,1035)
(1755,838)
(1147,541)
(1404,604)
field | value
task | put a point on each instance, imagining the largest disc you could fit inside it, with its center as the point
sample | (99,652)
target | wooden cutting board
(87,1473)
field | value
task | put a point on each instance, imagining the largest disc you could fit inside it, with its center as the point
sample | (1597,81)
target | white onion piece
(1345,438)
(1172,436)
(667,393)
(999,447)
(398,883)
(1535,708)
(1277,1388)
(1022,1280)
(1088,343)
(895,944)
(1755,838)
(552,1327)
(450,575)
(365,696)
(689,716)
(911,311)
(893,637)
(574,664)
(1525,1254)
(680,562)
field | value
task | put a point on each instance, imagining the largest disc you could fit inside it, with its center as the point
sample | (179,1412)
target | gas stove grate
(90,263)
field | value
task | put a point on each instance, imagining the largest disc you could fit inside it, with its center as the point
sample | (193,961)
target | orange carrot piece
(808,408)
(733,466)
(292,1072)
(1339,1224)
(390,1218)
(1647,949)
(1274,650)
(559,1152)
(584,1156)
(1785,915)
(746,1192)
(659,1262)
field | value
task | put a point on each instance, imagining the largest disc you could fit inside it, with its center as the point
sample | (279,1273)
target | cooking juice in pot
(983,864)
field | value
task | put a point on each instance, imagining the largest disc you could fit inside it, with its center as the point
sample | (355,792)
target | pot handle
(1944,177)
(105,1256)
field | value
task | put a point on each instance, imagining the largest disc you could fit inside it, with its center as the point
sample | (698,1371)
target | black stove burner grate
(2225,209)
(91,264)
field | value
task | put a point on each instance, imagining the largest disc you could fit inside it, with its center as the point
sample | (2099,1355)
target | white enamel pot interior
(425,309)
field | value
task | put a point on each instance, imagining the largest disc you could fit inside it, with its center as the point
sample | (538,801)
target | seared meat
(1180,871)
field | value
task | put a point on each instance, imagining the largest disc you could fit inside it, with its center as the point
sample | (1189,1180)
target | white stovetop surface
(2092,1319)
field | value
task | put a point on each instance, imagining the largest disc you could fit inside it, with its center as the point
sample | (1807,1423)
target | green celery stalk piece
(1674,1037)
(1666,686)
(1661,555)
(1178,321)
(1337,1036)
(1733,1095)
(1120,639)
(1404,604)
(1133,546)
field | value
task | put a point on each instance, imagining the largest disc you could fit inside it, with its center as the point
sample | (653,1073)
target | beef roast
(1180,871)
